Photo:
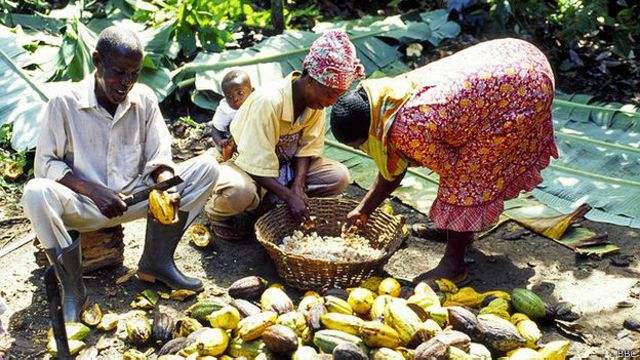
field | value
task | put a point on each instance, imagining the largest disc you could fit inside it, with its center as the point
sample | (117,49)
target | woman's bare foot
(447,269)
(452,265)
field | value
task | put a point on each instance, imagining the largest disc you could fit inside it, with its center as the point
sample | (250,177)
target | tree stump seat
(100,249)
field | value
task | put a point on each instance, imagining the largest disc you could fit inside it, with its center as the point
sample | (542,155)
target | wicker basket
(383,231)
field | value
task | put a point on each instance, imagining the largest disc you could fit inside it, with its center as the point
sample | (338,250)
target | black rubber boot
(68,265)
(157,261)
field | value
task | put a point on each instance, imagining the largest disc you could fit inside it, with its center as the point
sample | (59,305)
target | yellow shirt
(265,117)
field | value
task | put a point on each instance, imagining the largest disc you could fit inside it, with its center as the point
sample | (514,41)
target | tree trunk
(277,15)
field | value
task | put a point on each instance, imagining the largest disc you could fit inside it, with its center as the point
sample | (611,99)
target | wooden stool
(100,249)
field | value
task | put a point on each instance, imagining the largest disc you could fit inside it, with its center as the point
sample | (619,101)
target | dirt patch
(594,287)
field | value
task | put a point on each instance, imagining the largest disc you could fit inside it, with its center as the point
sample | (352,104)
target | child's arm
(217,137)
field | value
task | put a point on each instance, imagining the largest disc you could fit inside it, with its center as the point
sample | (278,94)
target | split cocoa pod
(162,208)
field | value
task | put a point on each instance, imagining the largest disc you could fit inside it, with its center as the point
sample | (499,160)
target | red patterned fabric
(482,121)
(332,61)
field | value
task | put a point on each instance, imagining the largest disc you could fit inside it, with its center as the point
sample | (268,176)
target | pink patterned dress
(482,120)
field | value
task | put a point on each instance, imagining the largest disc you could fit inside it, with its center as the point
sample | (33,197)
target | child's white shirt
(223,116)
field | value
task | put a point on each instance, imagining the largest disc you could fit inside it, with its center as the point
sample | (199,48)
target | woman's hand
(356,220)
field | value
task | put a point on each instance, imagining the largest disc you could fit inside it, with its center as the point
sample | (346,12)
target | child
(236,87)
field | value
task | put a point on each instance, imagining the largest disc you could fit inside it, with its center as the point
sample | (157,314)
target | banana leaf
(404,32)
(20,99)
(564,229)
(276,56)
(441,27)
(159,51)
(599,157)
(156,41)
(78,44)
(33,21)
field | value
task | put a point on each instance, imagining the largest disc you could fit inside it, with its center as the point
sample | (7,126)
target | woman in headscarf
(279,132)
(480,119)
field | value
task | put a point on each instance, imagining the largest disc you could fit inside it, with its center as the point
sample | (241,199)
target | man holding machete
(101,139)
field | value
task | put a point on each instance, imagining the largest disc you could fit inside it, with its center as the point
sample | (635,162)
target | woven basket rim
(273,246)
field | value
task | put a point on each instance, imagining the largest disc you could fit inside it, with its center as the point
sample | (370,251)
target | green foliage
(77,46)
(302,16)
(206,24)
(587,22)
(20,98)
(9,157)
(22,6)
(627,31)
(581,20)
(188,120)
(592,22)
(519,16)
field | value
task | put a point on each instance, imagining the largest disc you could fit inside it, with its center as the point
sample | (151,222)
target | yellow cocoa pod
(467,296)
(361,300)
(252,327)
(387,208)
(524,354)
(498,293)
(379,305)
(226,318)
(199,235)
(389,286)
(500,303)
(348,323)
(555,350)
(404,320)
(530,332)
(161,207)
(501,313)
(446,286)
(438,314)
(310,298)
(377,334)
(335,304)
(275,299)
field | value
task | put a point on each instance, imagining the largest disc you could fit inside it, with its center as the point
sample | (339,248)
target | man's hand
(108,201)
(162,174)
(174,196)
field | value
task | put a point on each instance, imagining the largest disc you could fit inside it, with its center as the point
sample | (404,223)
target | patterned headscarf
(332,61)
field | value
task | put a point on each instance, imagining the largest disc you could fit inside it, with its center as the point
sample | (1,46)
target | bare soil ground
(602,293)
